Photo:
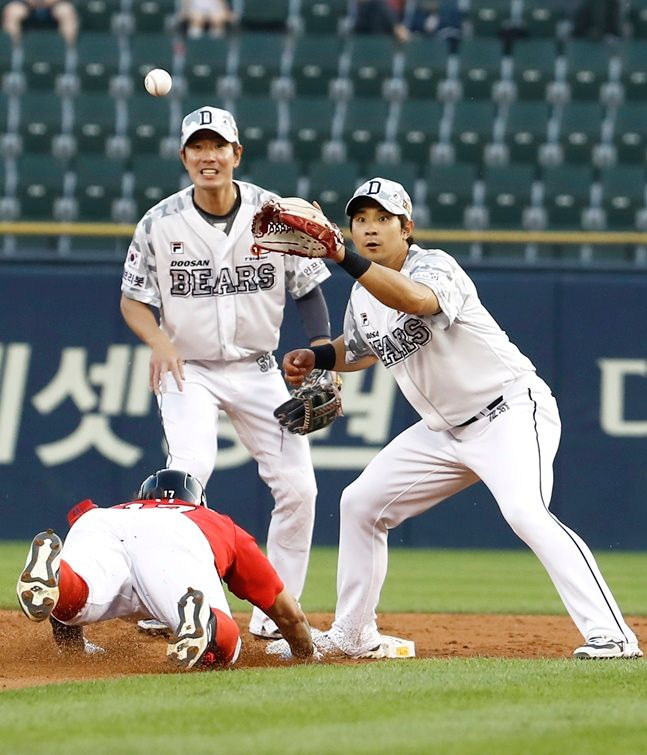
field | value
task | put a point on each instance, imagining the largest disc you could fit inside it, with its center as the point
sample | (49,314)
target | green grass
(461,706)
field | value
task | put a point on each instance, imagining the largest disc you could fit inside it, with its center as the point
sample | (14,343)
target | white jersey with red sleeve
(217,300)
(450,365)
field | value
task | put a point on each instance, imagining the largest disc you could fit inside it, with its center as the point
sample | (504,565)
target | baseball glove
(315,404)
(293,226)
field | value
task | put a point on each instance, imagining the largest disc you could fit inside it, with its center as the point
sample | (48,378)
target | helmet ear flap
(169,484)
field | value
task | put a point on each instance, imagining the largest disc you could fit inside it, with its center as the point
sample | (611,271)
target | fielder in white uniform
(220,310)
(485,415)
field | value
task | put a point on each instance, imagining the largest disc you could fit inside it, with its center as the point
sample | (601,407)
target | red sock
(73,593)
(226,640)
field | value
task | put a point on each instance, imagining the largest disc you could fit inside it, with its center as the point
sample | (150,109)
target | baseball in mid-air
(158,82)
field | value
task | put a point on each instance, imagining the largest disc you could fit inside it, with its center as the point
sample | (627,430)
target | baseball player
(485,415)
(163,556)
(220,310)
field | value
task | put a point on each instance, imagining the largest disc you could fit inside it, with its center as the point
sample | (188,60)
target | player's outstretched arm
(164,356)
(293,624)
(299,363)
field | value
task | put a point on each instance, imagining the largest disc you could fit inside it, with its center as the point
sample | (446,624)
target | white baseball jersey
(448,374)
(217,300)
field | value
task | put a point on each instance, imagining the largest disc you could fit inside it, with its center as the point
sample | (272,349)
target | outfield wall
(76,418)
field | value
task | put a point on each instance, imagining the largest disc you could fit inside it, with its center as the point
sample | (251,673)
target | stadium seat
(634,69)
(310,122)
(315,63)
(95,119)
(623,193)
(630,133)
(44,56)
(257,120)
(567,191)
(587,68)
(40,182)
(472,129)
(525,130)
(425,64)
(148,122)
(149,51)
(364,127)
(40,120)
(332,185)
(533,67)
(507,193)
(281,178)
(323,16)
(449,192)
(404,173)
(540,18)
(98,183)
(6,53)
(205,61)
(260,60)
(98,60)
(95,15)
(152,15)
(265,16)
(480,67)
(488,17)
(371,63)
(638,18)
(418,129)
(580,128)
(153,179)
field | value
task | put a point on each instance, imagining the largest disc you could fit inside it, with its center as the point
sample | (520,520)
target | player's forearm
(141,320)
(340,358)
(291,621)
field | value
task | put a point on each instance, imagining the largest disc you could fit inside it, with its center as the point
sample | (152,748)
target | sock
(223,648)
(73,593)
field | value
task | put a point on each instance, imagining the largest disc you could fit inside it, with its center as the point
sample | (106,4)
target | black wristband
(354,265)
(325,356)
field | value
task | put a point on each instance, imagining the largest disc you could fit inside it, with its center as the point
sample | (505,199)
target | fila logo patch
(177,247)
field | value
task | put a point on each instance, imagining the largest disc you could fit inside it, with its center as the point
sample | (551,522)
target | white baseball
(158,82)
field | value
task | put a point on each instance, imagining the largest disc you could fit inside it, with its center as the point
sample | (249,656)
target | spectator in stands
(20,15)
(212,16)
(443,19)
(377,17)
(596,19)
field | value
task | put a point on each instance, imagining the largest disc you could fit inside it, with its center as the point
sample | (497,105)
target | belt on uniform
(491,406)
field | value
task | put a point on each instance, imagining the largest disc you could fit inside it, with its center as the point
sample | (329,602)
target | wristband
(354,265)
(325,356)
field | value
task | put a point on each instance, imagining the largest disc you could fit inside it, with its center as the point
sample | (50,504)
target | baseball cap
(212,119)
(389,194)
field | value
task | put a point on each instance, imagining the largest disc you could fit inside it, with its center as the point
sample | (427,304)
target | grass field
(478,705)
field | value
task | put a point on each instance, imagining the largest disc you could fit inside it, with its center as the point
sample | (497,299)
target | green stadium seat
(638,18)
(533,67)
(96,15)
(40,120)
(567,191)
(205,61)
(98,60)
(418,129)
(152,15)
(526,129)
(281,178)
(371,63)
(623,193)
(40,182)
(630,133)
(265,16)
(310,123)
(488,17)
(148,122)
(472,129)
(404,173)
(540,18)
(507,193)
(44,56)
(95,119)
(634,69)
(154,178)
(449,192)
(260,58)
(315,63)
(257,120)
(480,67)
(149,51)
(587,68)
(364,127)
(580,128)
(323,16)
(332,185)
(98,183)
(6,53)
(425,64)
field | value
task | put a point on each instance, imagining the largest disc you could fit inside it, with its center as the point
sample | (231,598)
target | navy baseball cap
(390,194)
(212,119)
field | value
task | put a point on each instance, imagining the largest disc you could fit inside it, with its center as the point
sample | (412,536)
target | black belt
(496,402)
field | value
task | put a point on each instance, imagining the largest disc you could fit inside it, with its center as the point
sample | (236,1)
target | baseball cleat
(607,647)
(195,632)
(153,628)
(265,631)
(325,647)
(37,587)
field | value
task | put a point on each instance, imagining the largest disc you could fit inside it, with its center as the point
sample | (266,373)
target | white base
(395,647)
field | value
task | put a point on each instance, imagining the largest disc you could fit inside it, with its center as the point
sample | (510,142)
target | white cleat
(37,587)
(195,632)
(607,647)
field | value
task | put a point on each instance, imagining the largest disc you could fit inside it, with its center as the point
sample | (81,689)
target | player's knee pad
(225,646)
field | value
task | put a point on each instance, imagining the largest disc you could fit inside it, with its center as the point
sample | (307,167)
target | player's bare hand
(297,365)
(165,359)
